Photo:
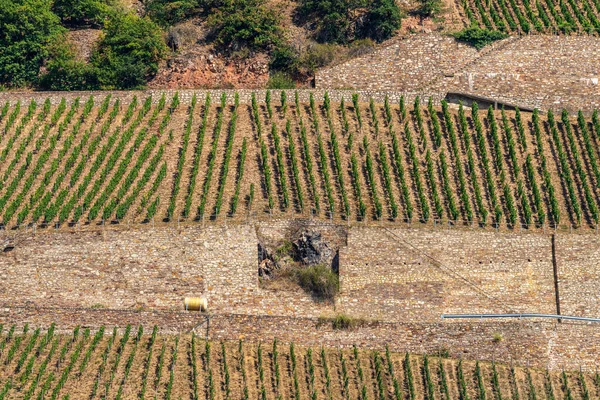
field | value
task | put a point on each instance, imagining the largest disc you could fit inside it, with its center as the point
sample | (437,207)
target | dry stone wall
(548,72)
(129,268)
(399,280)
(404,64)
(415,274)
(578,265)
(245,95)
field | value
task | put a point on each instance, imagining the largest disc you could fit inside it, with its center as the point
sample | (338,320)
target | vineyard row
(100,160)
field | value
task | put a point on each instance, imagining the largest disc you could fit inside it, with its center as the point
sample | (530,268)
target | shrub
(247,23)
(429,8)
(478,37)
(169,12)
(280,80)
(334,20)
(342,321)
(28,26)
(79,12)
(382,20)
(319,280)
(118,67)
(342,21)
(64,71)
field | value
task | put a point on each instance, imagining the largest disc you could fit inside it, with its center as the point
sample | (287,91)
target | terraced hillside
(98,159)
(534,16)
(130,364)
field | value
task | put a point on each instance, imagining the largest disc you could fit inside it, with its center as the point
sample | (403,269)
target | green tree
(429,8)
(168,12)
(383,19)
(26,29)
(80,12)
(245,23)
(335,19)
(129,52)
(64,71)
(342,21)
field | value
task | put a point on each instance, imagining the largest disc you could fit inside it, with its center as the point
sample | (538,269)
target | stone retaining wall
(399,280)
(245,95)
(411,274)
(129,268)
(543,71)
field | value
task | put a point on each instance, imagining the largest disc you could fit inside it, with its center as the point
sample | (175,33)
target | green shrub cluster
(448,192)
(342,21)
(479,37)
(197,154)
(435,121)
(399,168)
(319,280)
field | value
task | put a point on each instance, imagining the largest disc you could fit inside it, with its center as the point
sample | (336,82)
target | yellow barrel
(195,303)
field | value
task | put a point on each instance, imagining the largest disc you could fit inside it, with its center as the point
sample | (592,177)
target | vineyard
(534,16)
(37,364)
(97,160)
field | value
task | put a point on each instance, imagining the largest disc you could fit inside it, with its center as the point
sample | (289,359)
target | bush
(245,23)
(342,321)
(319,280)
(169,12)
(283,58)
(128,54)
(342,21)
(382,20)
(28,27)
(335,20)
(64,71)
(280,80)
(79,12)
(429,8)
(478,37)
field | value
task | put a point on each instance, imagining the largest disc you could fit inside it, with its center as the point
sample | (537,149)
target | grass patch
(320,281)
(342,321)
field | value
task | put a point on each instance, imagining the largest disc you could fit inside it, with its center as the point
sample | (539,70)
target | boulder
(311,249)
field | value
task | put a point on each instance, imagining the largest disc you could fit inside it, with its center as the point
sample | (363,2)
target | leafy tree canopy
(382,20)
(169,12)
(64,71)
(430,8)
(342,21)
(245,23)
(129,52)
(82,12)
(26,29)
